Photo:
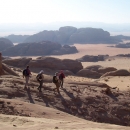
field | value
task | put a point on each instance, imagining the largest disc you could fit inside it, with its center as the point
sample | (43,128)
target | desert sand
(28,109)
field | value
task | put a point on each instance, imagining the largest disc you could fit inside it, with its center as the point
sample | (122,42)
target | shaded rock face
(56,64)
(5,43)
(88,73)
(68,34)
(90,58)
(41,48)
(120,72)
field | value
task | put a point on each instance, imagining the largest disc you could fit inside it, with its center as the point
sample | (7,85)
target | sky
(48,11)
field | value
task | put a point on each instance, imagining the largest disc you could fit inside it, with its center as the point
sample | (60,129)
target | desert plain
(82,104)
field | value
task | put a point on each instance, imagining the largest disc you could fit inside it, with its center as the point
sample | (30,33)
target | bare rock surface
(121,72)
(91,101)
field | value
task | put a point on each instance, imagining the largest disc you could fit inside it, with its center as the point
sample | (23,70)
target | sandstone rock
(88,73)
(21,62)
(93,67)
(8,70)
(91,58)
(121,72)
(106,69)
(56,64)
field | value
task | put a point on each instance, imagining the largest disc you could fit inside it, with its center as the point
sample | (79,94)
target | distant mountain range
(70,35)
(32,28)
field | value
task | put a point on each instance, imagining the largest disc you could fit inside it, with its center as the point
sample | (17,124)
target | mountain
(5,43)
(39,49)
(70,35)
(17,38)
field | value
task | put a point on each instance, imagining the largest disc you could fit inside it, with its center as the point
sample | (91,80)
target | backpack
(54,81)
(38,77)
(25,72)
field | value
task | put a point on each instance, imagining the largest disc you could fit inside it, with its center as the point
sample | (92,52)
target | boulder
(121,72)
(104,70)
(5,43)
(88,73)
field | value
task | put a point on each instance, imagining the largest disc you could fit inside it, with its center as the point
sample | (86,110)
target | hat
(56,73)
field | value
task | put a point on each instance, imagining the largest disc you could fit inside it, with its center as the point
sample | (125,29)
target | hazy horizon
(29,17)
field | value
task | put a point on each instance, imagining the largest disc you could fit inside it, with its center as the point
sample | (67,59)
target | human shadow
(68,93)
(29,96)
(44,98)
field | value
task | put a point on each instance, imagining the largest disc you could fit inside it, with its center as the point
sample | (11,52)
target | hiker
(40,79)
(61,77)
(27,75)
(56,81)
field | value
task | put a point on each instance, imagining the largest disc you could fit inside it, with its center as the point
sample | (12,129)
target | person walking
(61,77)
(27,75)
(40,79)
(56,81)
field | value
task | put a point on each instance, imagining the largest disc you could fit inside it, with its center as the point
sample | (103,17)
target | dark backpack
(25,72)
(39,76)
(54,81)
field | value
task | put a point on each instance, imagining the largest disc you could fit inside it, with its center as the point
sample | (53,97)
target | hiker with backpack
(61,77)
(40,79)
(27,75)
(56,81)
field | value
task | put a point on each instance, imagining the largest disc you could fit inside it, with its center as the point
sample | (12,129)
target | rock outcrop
(20,62)
(5,43)
(56,64)
(120,72)
(37,49)
(4,69)
(104,70)
(91,58)
(88,73)
(127,45)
